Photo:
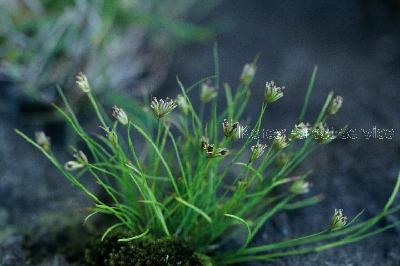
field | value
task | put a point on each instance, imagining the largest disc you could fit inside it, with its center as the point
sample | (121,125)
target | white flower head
(338,220)
(257,151)
(300,131)
(300,187)
(162,107)
(80,157)
(82,82)
(248,73)
(183,104)
(43,140)
(272,92)
(335,105)
(73,165)
(280,142)
(230,129)
(79,162)
(322,134)
(210,150)
(207,92)
(120,115)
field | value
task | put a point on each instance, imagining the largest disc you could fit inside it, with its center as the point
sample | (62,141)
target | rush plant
(202,176)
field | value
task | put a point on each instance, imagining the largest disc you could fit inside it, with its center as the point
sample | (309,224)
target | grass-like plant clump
(203,176)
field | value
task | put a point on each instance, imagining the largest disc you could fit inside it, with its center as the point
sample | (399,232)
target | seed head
(272,93)
(80,157)
(162,107)
(338,220)
(322,134)
(257,151)
(230,129)
(210,150)
(204,142)
(300,187)
(183,104)
(248,73)
(300,131)
(120,115)
(208,92)
(43,140)
(280,141)
(220,152)
(73,165)
(82,82)
(80,161)
(335,105)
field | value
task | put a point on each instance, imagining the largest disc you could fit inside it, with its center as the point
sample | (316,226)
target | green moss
(146,251)
(79,245)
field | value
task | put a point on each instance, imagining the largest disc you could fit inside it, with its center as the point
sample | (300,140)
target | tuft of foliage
(202,177)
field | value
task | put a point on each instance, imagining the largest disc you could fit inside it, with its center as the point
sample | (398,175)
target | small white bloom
(272,92)
(80,161)
(120,115)
(162,107)
(42,140)
(80,157)
(248,73)
(230,129)
(82,82)
(183,104)
(322,134)
(257,151)
(280,141)
(300,187)
(338,220)
(207,92)
(300,131)
(73,165)
(335,105)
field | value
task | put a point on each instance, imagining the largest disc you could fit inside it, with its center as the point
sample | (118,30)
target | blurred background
(137,48)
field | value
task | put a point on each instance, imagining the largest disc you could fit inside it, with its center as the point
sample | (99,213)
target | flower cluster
(272,92)
(300,131)
(322,134)
(79,162)
(338,220)
(257,151)
(207,92)
(83,83)
(280,142)
(248,73)
(300,187)
(120,115)
(162,107)
(183,103)
(43,140)
(335,105)
(230,129)
(210,150)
